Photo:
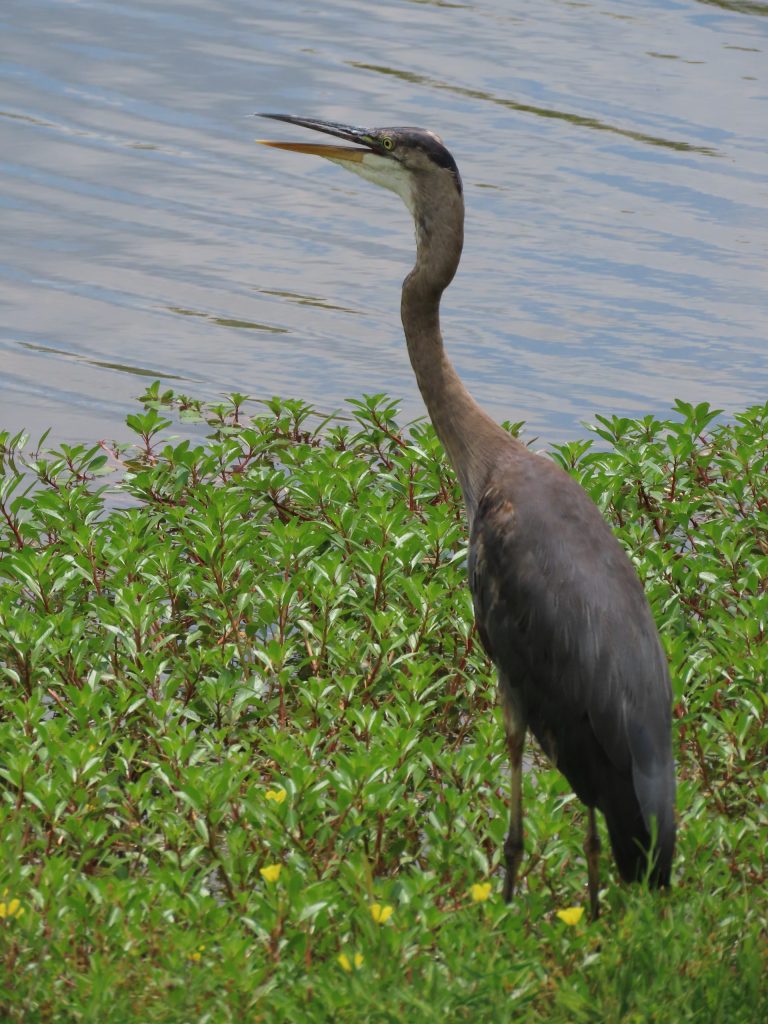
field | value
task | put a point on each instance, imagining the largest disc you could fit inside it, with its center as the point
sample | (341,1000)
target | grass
(252,766)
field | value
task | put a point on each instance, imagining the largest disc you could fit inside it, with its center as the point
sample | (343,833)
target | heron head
(404,160)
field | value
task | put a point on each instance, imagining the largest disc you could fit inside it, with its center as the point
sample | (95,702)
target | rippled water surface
(616,176)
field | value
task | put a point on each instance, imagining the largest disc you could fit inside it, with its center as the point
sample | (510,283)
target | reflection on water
(742,6)
(222,321)
(614,163)
(527,108)
(306,300)
(137,371)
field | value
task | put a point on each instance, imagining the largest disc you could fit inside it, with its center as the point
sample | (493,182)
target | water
(615,170)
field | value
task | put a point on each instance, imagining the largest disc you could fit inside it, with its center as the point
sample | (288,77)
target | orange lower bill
(318,149)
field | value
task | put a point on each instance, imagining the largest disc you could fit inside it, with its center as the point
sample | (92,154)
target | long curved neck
(470,437)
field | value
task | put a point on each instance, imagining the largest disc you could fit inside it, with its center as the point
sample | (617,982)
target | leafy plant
(242,704)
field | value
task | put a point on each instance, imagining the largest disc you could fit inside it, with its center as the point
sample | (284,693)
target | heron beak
(341,131)
(329,152)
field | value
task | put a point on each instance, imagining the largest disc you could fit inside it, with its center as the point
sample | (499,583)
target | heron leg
(514,726)
(592,851)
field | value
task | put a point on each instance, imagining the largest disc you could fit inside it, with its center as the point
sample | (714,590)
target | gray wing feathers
(557,599)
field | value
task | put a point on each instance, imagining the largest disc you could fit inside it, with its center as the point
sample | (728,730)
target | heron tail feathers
(643,846)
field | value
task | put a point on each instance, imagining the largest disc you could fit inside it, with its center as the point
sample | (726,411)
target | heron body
(559,607)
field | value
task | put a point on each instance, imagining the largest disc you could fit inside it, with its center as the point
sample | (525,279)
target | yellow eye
(387,143)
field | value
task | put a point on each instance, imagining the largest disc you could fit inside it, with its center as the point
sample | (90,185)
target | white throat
(383,171)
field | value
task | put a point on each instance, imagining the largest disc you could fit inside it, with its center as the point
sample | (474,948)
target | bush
(252,766)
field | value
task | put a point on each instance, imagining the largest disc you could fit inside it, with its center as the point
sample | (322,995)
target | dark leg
(514,726)
(513,844)
(592,850)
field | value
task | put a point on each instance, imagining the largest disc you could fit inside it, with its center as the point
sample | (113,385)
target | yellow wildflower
(480,891)
(197,953)
(12,908)
(346,963)
(276,795)
(571,916)
(271,872)
(381,914)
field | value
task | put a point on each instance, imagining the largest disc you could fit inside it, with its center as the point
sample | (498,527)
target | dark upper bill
(339,131)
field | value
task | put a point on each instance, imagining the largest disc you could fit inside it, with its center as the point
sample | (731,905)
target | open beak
(340,131)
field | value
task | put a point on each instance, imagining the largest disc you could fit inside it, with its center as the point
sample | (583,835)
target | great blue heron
(559,607)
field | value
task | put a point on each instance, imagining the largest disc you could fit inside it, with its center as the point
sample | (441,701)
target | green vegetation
(252,767)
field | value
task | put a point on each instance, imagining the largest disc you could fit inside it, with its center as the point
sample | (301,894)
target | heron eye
(387,143)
